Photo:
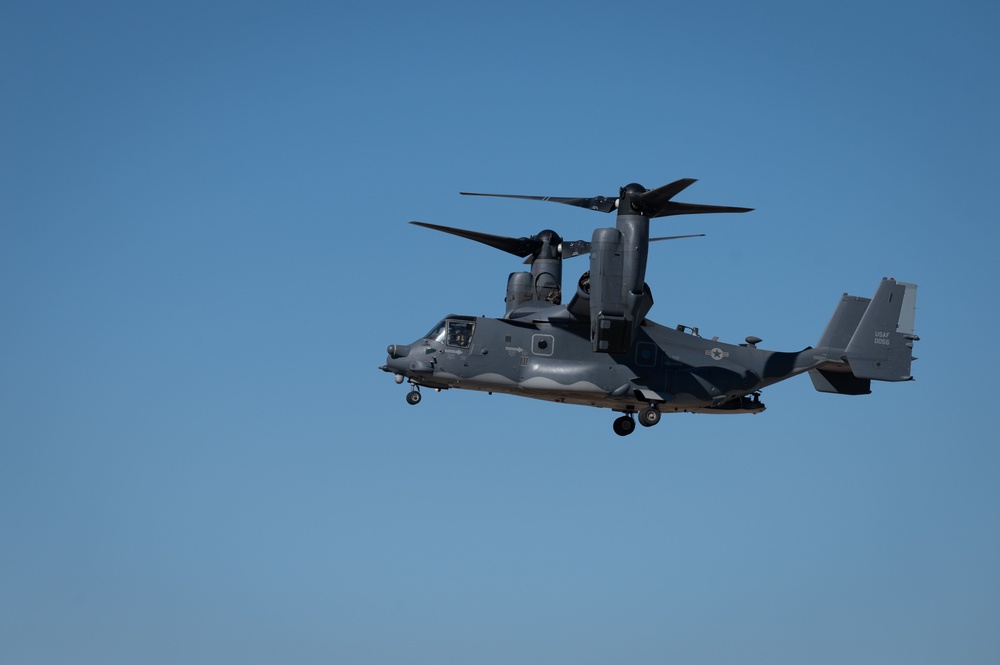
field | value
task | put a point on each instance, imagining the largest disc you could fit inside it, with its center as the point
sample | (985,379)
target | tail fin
(881,348)
(844,322)
(877,337)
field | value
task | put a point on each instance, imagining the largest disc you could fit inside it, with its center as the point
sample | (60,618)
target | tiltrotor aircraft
(599,349)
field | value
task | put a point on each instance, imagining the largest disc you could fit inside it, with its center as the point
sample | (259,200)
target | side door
(458,355)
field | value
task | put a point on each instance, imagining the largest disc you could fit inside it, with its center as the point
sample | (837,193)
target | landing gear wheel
(649,416)
(413,397)
(624,426)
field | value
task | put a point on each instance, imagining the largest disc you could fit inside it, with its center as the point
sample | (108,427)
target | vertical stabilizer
(881,347)
(844,322)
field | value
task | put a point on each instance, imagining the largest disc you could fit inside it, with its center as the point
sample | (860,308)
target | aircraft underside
(589,394)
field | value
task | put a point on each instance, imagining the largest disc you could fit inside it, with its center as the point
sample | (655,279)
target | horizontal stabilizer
(842,383)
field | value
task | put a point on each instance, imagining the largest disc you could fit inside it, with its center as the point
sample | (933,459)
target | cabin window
(542,345)
(645,354)
(460,333)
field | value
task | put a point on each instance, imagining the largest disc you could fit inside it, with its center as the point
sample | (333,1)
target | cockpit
(454,333)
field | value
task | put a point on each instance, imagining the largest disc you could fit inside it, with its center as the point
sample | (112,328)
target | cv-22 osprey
(600,349)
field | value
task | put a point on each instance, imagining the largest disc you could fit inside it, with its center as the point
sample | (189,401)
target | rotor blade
(678,208)
(654,200)
(694,235)
(652,203)
(657,203)
(598,203)
(516,246)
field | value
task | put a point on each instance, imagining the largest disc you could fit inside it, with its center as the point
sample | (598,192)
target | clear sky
(204,253)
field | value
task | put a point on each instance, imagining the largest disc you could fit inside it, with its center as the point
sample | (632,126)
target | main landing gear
(624,426)
(648,417)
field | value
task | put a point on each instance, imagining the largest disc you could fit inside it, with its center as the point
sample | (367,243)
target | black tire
(624,426)
(649,416)
(413,397)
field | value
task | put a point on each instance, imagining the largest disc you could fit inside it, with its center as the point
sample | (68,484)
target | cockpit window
(452,333)
(460,333)
(437,333)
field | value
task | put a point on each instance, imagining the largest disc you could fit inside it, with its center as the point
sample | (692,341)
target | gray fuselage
(549,356)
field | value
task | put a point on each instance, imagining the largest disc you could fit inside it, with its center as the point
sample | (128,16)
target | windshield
(437,333)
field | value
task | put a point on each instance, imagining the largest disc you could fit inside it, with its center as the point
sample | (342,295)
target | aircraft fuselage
(553,360)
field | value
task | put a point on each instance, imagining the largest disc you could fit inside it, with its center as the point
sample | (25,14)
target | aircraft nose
(398,350)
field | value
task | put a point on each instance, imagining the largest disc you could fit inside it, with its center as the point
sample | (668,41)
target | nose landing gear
(413,397)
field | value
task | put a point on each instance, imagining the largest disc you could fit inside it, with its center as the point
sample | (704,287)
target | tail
(873,338)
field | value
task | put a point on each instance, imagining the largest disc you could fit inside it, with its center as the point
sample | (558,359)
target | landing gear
(624,426)
(649,416)
(413,397)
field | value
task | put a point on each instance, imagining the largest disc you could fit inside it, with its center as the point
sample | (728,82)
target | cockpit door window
(460,334)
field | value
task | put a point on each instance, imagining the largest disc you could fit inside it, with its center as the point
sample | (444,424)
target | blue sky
(204,252)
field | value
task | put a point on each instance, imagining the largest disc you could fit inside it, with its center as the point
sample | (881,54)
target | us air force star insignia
(717,353)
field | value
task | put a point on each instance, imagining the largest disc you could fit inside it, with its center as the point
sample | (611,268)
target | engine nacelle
(520,289)
(610,327)
(579,304)
(547,274)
